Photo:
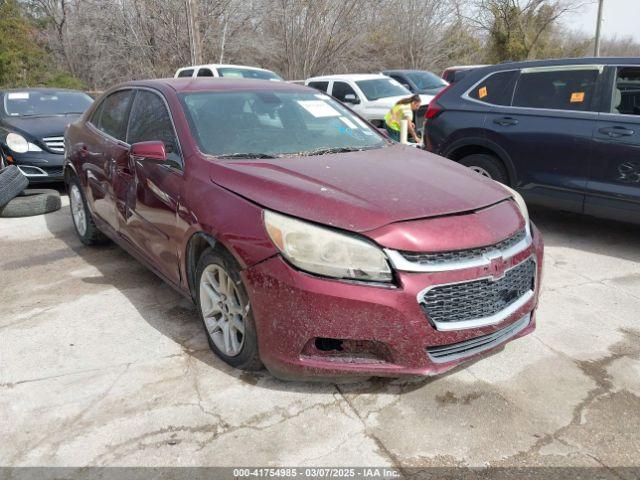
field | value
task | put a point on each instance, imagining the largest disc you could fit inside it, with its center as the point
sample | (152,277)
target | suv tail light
(434,109)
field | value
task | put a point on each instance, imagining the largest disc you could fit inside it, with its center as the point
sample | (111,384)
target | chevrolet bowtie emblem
(497,268)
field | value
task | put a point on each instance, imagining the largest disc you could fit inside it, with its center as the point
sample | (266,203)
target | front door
(613,190)
(547,131)
(150,222)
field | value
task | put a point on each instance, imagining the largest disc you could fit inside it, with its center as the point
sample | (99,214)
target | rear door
(149,217)
(547,132)
(613,189)
(107,158)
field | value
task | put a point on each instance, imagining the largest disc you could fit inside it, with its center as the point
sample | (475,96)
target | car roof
(223,65)
(562,62)
(348,76)
(212,84)
(467,67)
(405,70)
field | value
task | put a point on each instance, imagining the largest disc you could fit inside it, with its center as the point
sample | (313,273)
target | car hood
(359,191)
(40,127)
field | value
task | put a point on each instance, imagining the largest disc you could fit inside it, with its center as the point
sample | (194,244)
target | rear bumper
(384,330)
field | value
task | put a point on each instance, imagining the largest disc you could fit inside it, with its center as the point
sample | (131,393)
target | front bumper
(40,167)
(384,330)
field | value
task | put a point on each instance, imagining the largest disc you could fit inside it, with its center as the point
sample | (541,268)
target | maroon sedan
(310,243)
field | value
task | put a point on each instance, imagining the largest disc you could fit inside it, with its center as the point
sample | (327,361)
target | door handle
(505,121)
(617,131)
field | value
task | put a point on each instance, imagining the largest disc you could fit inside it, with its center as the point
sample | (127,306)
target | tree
(22,61)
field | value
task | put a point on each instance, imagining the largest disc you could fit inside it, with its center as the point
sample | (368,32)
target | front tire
(487,166)
(225,311)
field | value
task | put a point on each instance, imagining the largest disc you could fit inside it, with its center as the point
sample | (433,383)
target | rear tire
(81,216)
(487,166)
(225,311)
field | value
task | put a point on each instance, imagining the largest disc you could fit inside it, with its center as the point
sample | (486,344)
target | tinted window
(401,81)
(496,89)
(185,73)
(626,92)
(113,120)
(274,123)
(235,72)
(44,103)
(381,88)
(341,89)
(150,121)
(556,89)
(426,80)
(205,72)
(322,86)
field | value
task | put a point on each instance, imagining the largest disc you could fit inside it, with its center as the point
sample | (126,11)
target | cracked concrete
(103,364)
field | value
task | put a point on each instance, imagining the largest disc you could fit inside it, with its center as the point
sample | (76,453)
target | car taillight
(434,109)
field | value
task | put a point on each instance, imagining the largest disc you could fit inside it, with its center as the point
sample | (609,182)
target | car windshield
(378,88)
(426,80)
(31,104)
(261,124)
(234,72)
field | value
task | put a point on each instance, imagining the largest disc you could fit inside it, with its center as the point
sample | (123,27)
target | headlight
(19,144)
(326,252)
(521,205)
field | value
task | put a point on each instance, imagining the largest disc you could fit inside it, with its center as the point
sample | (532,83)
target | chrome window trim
(491,319)
(588,113)
(402,264)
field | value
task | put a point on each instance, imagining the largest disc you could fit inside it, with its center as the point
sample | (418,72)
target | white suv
(227,71)
(370,95)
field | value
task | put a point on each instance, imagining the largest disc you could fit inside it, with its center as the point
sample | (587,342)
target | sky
(620,17)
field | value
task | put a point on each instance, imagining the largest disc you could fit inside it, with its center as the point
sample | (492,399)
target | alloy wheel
(481,171)
(77,209)
(222,310)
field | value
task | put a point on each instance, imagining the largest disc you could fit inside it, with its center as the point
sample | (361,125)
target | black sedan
(32,124)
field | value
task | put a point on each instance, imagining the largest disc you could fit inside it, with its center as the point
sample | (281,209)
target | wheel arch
(197,244)
(470,146)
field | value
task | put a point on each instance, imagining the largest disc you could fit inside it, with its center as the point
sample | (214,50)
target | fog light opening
(328,344)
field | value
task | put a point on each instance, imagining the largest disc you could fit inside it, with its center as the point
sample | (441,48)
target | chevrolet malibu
(310,243)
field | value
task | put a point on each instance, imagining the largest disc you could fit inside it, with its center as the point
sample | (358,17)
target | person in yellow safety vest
(403,109)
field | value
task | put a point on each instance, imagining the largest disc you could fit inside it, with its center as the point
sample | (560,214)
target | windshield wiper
(246,155)
(327,151)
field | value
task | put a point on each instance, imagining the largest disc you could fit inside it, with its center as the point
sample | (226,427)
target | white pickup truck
(370,95)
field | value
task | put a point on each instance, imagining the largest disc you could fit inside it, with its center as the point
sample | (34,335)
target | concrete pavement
(103,364)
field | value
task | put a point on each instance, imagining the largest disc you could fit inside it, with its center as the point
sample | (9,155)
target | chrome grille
(478,299)
(456,351)
(55,144)
(440,258)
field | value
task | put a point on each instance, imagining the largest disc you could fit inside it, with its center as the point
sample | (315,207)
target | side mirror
(351,98)
(154,151)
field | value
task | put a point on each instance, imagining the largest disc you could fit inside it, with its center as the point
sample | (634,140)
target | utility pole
(194,32)
(598,29)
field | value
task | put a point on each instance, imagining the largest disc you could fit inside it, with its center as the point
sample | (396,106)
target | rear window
(234,72)
(205,72)
(496,89)
(185,73)
(569,89)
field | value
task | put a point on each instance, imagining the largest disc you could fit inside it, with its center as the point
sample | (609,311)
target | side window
(341,90)
(496,89)
(95,116)
(115,109)
(401,81)
(556,89)
(185,73)
(322,86)
(150,121)
(205,72)
(626,91)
